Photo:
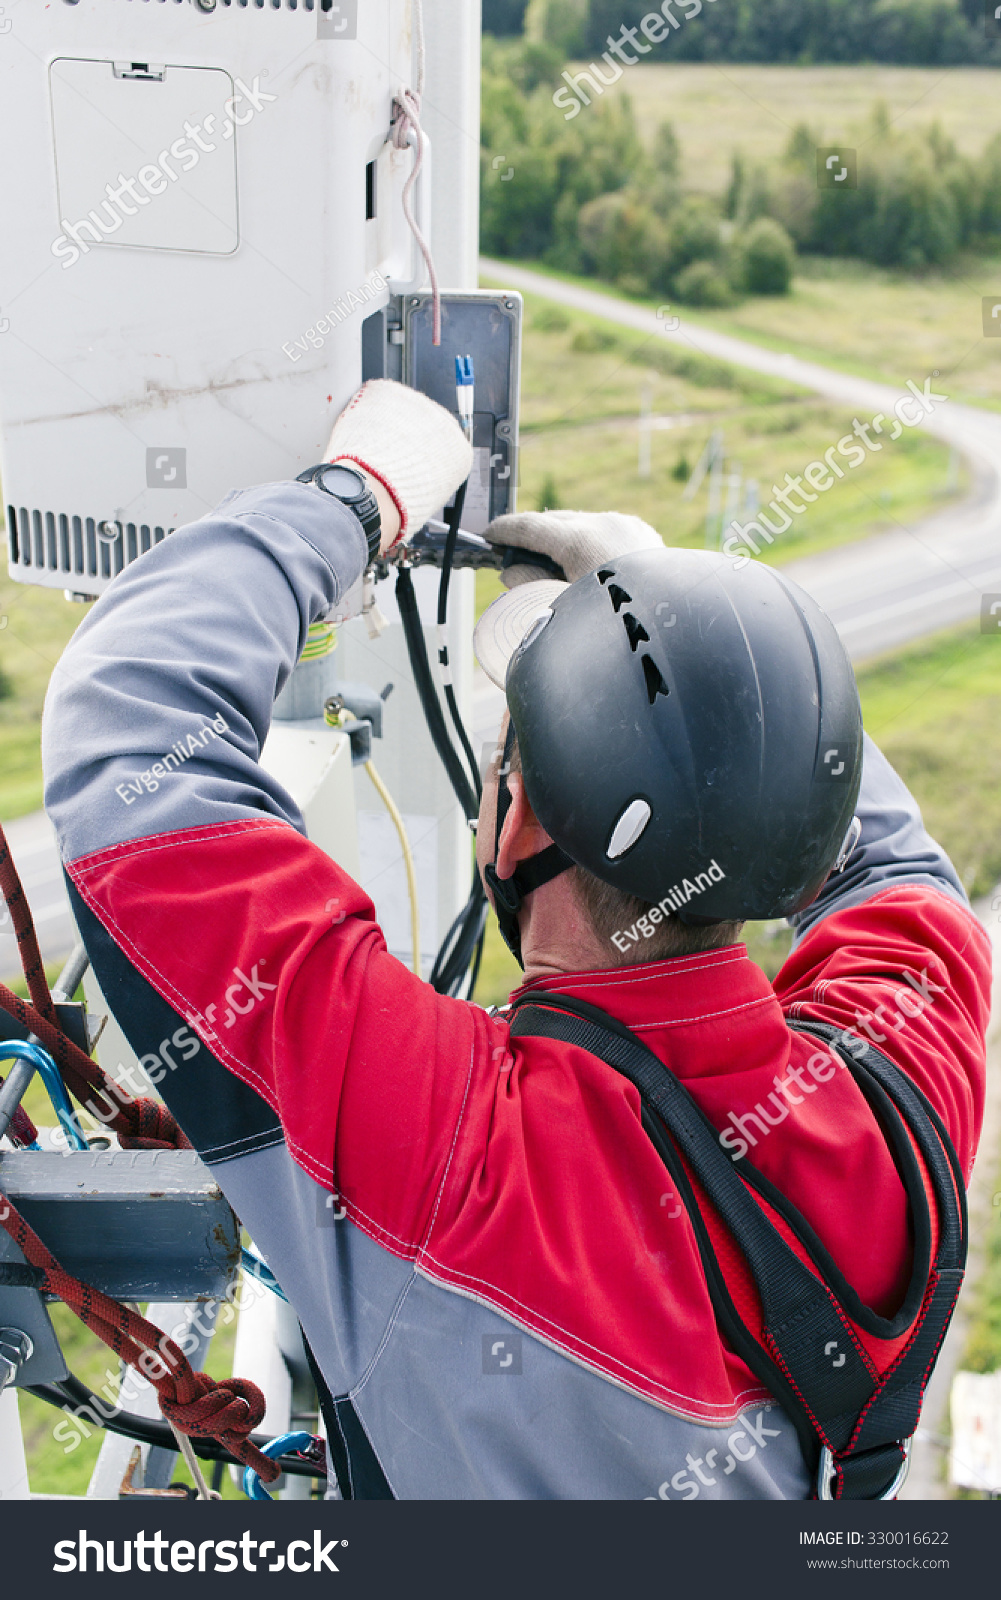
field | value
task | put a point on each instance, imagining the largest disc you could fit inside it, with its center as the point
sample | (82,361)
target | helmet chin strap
(509,893)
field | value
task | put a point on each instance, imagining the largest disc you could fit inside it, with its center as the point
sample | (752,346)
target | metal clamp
(15,1350)
(827,1472)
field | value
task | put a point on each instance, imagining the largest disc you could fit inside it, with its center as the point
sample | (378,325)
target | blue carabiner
(285,1444)
(256,1268)
(50,1075)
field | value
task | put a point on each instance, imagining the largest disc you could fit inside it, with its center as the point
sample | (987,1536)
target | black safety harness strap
(854,1423)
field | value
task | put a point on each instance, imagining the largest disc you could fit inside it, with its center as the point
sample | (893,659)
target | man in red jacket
(503,1290)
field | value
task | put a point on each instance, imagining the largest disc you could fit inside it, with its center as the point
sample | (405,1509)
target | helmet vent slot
(636,631)
(605,574)
(629,828)
(618,597)
(655,684)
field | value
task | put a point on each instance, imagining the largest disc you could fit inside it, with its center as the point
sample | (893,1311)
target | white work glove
(578,541)
(413,446)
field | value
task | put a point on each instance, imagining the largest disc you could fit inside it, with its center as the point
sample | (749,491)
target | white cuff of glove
(413,446)
(578,541)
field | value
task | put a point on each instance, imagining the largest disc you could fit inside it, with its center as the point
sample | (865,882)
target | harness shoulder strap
(852,1421)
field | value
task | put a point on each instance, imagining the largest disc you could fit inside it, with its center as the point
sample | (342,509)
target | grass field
(871,322)
(35,627)
(584,381)
(719,109)
(882,325)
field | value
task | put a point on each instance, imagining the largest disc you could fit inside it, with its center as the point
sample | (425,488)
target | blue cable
(285,1444)
(465,393)
(50,1075)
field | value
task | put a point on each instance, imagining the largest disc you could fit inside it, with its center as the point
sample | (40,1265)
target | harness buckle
(826,1473)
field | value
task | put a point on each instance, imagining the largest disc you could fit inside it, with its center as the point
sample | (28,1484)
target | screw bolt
(15,1349)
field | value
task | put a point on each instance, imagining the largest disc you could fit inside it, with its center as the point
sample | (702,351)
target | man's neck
(557,936)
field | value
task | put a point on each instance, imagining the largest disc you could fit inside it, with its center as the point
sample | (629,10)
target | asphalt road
(33,846)
(895,586)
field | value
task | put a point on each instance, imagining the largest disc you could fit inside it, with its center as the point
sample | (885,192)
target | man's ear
(522,835)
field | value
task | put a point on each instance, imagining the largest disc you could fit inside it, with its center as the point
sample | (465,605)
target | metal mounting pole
(13,1091)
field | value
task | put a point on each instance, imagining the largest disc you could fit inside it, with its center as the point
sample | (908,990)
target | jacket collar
(702,1014)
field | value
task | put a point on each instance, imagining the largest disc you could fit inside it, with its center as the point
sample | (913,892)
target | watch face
(343,482)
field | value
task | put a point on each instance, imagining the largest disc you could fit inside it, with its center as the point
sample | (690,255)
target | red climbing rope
(229,1410)
(196,1404)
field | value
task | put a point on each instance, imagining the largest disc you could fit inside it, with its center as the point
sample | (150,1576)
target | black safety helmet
(689,733)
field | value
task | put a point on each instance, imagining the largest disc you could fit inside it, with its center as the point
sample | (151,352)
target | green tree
(562,23)
(765,258)
(504,16)
(702,283)
(624,241)
(694,233)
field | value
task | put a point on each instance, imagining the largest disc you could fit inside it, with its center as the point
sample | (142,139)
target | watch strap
(365,506)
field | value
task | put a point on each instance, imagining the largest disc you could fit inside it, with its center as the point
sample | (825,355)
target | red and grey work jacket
(495,1276)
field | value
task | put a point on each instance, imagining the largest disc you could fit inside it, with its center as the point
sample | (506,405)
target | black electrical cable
(477,959)
(453,517)
(70,1395)
(458,947)
(458,961)
(442,972)
(453,959)
(413,632)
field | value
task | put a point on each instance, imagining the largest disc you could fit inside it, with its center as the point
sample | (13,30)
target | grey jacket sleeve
(894,849)
(185,653)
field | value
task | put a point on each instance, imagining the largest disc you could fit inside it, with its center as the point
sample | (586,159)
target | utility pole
(646,430)
(709,463)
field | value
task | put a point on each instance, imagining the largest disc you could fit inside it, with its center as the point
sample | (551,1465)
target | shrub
(702,283)
(694,234)
(591,341)
(765,258)
(548,498)
(550,319)
(621,239)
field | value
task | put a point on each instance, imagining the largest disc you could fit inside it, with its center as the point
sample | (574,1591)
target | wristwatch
(347,485)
